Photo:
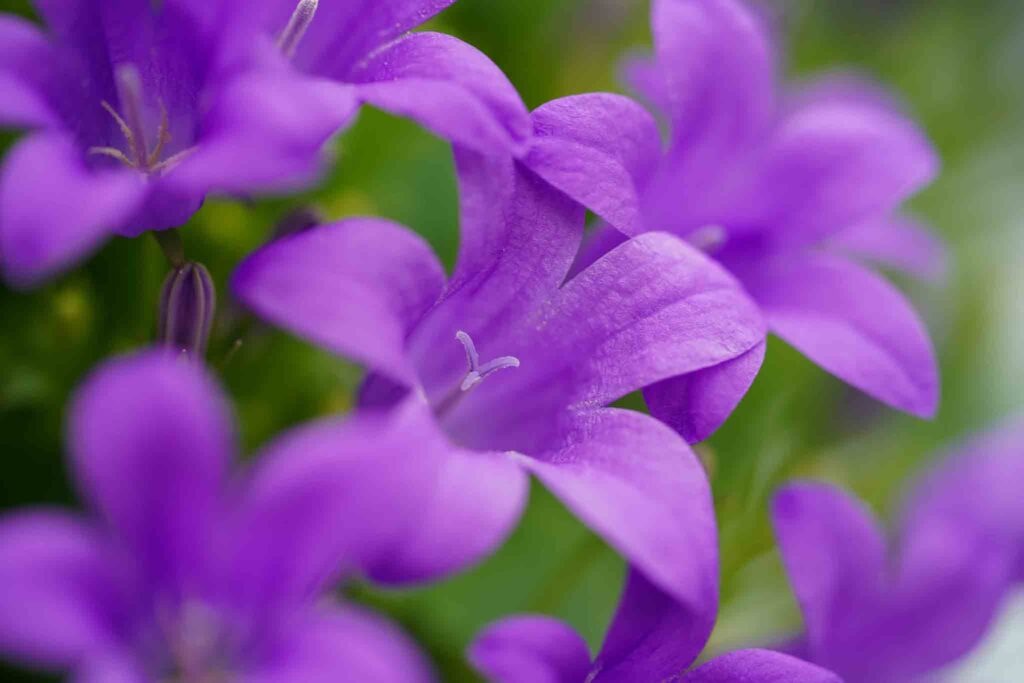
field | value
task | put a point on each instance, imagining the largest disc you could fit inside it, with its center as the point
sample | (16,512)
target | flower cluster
(755,215)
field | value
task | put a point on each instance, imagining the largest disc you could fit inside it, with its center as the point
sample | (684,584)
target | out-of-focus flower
(139,108)
(651,639)
(512,367)
(180,575)
(876,614)
(780,190)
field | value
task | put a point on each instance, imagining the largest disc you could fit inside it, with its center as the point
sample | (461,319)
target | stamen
(300,20)
(478,373)
(129,90)
(112,152)
(125,130)
(163,136)
(171,161)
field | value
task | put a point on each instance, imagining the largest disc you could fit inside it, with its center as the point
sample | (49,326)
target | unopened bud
(187,303)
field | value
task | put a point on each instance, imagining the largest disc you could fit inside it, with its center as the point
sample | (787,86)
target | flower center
(300,20)
(195,646)
(477,372)
(708,238)
(139,155)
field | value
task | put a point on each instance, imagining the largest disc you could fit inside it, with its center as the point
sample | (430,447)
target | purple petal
(473,501)
(601,150)
(652,636)
(356,287)
(638,485)
(323,500)
(151,442)
(835,556)
(896,242)
(265,130)
(451,88)
(854,324)
(697,404)
(53,210)
(716,65)
(759,666)
(343,644)
(834,163)
(651,309)
(58,594)
(23,51)
(530,649)
(343,34)
(114,666)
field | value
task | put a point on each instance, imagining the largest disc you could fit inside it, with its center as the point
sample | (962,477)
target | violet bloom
(880,614)
(511,367)
(780,190)
(651,639)
(138,109)
(180,575)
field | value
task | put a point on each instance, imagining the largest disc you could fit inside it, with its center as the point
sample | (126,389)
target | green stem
(170,243)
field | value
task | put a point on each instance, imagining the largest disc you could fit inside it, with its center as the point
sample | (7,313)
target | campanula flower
(139,109)
(651,639)
(781,189)
(512,366)
(183,572)
(880,612)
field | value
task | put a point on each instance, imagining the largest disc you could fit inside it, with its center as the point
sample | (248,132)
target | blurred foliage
(954,63)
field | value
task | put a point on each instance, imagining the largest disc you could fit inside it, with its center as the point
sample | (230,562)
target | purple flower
(139,109)
(183,574)
(651,639)
(511,366)
(880,614)
(780,190)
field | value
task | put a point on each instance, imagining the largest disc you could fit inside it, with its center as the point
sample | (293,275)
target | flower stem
(170,244)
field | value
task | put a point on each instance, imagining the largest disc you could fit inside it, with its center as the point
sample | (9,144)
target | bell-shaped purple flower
(781,190)
(511,365)
(879,612)
(185,571)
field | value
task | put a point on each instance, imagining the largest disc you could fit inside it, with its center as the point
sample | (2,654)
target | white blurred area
(1000,658)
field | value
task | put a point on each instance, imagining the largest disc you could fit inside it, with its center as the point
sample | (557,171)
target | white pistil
(300,20)
(709,238)
(477,372)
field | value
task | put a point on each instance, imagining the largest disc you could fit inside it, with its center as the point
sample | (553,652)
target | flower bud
(187,303)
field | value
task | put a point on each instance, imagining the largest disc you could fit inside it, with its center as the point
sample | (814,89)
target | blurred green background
(956,65)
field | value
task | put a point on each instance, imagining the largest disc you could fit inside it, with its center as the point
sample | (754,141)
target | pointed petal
(530,649)
(323,500)
(834,553)
(834,163)
(855,325)
(697,404)
(290,115)
(716,64)
(151,441)
(53,210)
(599,149)
(651,309)
(344,34)
(343,644)
(24,50)
(896,242)
(451,88)
(759,666)
(653,636)
(357,287)
(473,501)
(58,594)
(638,485)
